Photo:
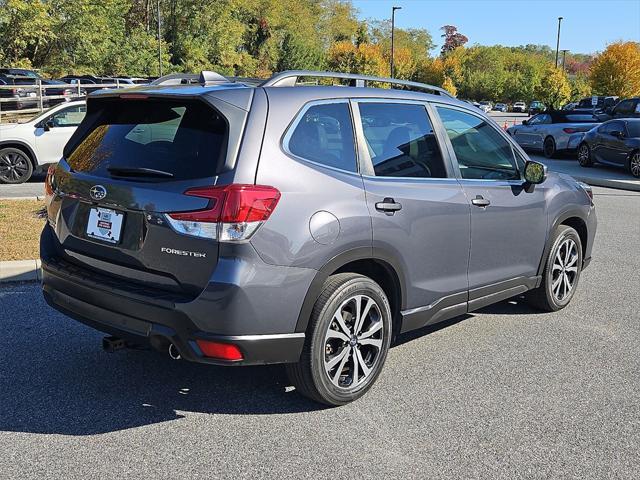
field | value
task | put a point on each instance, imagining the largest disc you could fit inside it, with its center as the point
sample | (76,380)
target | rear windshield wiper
(138,172)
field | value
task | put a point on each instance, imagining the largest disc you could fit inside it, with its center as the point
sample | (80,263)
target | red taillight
(249,203)
(222,351)
(237,209)
(569,130)
(48,181)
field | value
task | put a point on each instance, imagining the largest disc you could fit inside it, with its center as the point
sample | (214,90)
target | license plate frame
(105,224)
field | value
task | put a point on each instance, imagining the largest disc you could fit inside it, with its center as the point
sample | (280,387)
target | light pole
(558,41)
(393,25)
(159,42)
(564,58)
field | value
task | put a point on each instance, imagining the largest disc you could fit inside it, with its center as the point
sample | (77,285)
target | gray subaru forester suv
(303,224)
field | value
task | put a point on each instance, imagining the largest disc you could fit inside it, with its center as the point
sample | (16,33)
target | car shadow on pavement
(56,379)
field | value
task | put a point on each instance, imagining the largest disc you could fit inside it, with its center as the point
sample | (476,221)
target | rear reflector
(234,212)
(222,351)
(49,180)
(569,130)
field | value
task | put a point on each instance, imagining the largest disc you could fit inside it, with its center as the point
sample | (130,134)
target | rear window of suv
(186,139)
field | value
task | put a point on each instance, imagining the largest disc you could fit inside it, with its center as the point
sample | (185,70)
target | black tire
(549,147)
(544,297)
(584,155)
(15,166)
(310,375)
(633,164)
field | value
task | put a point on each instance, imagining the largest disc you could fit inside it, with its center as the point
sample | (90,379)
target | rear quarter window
(323,134)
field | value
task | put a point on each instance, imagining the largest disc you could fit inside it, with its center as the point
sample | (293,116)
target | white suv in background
(29,146)
(520,107)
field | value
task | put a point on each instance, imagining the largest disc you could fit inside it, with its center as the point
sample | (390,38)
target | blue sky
(588,25)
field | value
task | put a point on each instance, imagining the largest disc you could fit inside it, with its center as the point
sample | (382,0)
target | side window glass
(481,151)
(624,107)
(520,160)
(401,141)
(324,134)
(69,117)
(615,127)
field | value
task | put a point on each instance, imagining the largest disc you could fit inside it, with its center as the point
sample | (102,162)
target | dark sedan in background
(616,142)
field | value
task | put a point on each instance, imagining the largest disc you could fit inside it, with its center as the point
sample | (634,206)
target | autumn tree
(452,39)
(554,89)
(616,71)
(580,87)
(449,86)
(365,58)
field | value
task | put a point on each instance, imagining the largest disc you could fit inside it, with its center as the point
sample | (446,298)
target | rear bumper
(247,302)
(169,326)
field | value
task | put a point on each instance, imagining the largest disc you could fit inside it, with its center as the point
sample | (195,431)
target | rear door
(418,209)
(132,163)
(508,224)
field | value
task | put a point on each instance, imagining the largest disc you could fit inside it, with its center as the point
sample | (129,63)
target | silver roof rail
(204,78)
(290,79)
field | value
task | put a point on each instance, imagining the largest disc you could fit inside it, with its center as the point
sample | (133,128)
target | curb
(20,271)
(39,198)
(604,182)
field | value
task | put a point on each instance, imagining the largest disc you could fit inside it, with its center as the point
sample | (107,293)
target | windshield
(634,129)
(39,115)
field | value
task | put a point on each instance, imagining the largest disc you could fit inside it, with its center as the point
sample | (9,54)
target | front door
(612,148)
(508,223)
(418,209)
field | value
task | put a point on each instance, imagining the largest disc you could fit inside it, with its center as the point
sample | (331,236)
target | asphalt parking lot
(506,392)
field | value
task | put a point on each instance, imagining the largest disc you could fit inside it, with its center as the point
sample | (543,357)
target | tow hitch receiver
(111,344)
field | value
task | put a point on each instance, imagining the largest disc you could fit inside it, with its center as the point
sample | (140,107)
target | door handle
(388,206)
(480,201)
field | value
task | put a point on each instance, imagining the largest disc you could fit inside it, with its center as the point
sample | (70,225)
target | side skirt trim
(463,302)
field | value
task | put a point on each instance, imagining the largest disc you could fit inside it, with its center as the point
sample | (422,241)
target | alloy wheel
(13,167)
(353,342)
(634,164)
(549,147)
(565,269)
(583,154)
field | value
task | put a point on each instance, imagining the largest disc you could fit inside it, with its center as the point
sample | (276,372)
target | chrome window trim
(284,143)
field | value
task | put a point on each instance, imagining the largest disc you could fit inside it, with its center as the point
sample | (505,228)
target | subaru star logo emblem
(98,192)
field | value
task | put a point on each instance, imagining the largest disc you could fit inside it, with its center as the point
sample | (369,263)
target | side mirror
(525,122)
(48,125)
(535,172)
(617,134)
